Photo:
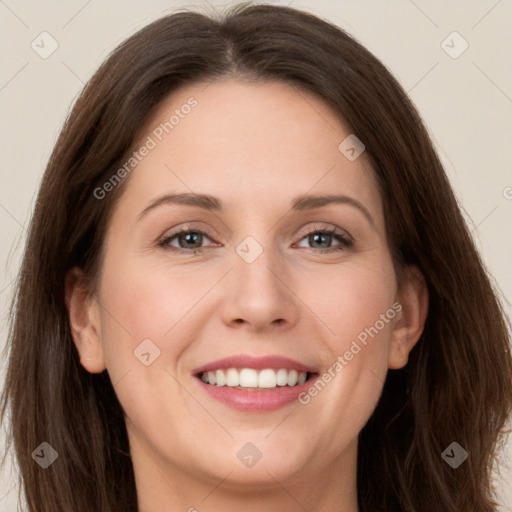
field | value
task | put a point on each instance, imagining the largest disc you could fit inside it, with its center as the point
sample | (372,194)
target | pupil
(189,236)
(315,238)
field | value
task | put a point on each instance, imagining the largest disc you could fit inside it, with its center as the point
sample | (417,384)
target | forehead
(248,143)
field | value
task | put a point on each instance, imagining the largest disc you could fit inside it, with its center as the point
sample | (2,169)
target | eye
(188,240)
(325,236)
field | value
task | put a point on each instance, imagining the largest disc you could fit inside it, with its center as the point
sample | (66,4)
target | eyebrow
(299,203)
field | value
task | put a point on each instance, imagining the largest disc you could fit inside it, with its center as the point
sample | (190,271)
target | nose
(259,296)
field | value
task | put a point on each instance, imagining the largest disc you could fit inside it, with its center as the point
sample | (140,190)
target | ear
(84,320)
(413,297)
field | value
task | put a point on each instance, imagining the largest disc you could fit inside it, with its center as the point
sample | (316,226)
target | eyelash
(346,242)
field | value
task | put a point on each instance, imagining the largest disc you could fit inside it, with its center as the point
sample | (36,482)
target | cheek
(148,299)
(349,300)
(356,307)
(144,310)
(150,317)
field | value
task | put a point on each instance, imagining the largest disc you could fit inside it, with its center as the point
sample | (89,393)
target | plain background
(466,103)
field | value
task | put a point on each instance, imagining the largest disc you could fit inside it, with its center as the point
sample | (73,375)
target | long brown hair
(457,386)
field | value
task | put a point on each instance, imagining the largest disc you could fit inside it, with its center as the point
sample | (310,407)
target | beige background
(466,103)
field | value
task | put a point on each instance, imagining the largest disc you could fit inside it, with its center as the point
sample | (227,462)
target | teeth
(250,378)
(232,378)
(267,379)
(220,377)
(282,377)
(292,377)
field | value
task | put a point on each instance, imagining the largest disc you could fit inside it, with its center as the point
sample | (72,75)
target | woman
(254,370)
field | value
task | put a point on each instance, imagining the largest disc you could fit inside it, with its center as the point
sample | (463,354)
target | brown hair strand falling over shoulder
(457,385)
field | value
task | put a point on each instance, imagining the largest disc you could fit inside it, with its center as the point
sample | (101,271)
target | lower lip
(256,401)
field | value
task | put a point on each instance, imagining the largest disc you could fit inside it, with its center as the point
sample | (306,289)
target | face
(267,285)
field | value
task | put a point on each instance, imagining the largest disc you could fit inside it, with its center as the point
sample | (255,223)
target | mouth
(255,384)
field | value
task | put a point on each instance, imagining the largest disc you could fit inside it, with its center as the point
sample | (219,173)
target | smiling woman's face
(263,284)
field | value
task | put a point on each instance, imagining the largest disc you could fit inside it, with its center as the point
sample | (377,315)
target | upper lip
(257,363)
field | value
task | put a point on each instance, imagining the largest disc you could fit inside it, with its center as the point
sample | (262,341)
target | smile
(254,384)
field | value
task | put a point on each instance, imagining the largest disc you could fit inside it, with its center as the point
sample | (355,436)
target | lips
(253,384)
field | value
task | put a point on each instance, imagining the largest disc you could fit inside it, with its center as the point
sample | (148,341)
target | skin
(255,146)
